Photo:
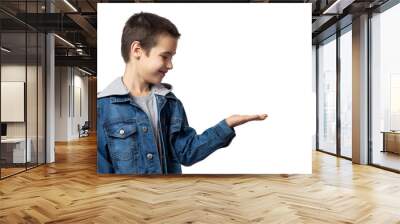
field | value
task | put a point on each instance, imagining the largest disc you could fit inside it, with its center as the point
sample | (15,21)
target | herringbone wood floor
(70,191)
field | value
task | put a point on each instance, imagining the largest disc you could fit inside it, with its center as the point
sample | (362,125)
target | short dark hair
(145,28)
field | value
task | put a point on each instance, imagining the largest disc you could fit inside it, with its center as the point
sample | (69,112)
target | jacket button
(149,156)
(144,129)
(121,132)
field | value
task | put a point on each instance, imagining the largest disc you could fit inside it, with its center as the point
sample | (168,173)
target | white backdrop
(233,59)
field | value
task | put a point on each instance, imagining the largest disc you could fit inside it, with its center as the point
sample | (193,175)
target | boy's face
(152,68)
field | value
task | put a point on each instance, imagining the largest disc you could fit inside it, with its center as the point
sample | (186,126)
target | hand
(236,120)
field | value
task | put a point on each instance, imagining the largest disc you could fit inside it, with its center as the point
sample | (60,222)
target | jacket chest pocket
(122,139)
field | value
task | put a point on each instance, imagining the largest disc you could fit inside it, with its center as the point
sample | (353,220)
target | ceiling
(76,22)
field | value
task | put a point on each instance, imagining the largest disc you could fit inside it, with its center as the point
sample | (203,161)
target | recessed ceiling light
(338,6)
(64,40)
(84,71)
(70,5)
(5,50)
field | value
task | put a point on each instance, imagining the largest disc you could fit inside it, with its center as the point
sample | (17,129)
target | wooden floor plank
(70,191)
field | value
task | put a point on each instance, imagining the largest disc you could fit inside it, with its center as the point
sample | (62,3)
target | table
(13,150)
(391,141)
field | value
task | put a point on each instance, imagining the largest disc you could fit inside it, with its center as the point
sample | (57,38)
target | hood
(118,88)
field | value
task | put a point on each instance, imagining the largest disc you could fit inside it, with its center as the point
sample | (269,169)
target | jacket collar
(118,88)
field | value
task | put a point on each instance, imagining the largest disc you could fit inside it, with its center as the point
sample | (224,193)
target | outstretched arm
(191,147)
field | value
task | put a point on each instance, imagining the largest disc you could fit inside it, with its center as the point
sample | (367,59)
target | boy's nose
(169,65)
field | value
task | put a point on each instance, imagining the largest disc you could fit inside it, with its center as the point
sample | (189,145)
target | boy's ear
(136,49)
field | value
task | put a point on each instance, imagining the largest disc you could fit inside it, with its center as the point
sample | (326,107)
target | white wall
(67,115)
(77,117)
(61,103)
(16,73)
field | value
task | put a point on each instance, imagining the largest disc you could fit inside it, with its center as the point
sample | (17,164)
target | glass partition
(41,87)
(385,89)
(13,95)
(327,96)
(31,98)
(22,89)
(346,93)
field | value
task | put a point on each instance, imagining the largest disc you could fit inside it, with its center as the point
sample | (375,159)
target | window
(346,92)
(327,96)
(385,88)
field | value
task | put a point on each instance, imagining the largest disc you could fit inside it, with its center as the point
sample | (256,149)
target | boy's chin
(158,80)
(154,81)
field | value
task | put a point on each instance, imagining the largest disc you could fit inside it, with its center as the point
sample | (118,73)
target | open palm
(237,119)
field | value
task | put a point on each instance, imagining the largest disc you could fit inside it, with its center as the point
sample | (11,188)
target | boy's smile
(154,67)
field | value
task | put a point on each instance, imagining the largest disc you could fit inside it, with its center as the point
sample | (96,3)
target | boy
(142,126)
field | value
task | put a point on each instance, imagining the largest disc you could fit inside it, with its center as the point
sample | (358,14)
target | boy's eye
(163,56)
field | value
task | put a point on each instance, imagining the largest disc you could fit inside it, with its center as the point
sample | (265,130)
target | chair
(84,130)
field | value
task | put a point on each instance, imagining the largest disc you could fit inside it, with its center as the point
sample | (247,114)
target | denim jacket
(126,144)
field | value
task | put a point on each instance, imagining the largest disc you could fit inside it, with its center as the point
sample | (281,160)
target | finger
(256,117)
(250,117)
(247,118)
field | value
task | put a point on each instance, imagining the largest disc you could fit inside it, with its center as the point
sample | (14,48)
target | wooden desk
(391,141)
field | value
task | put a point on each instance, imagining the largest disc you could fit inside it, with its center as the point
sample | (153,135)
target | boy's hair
(145,28)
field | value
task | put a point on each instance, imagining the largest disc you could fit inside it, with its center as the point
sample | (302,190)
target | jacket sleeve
(104,164)
(190,147)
